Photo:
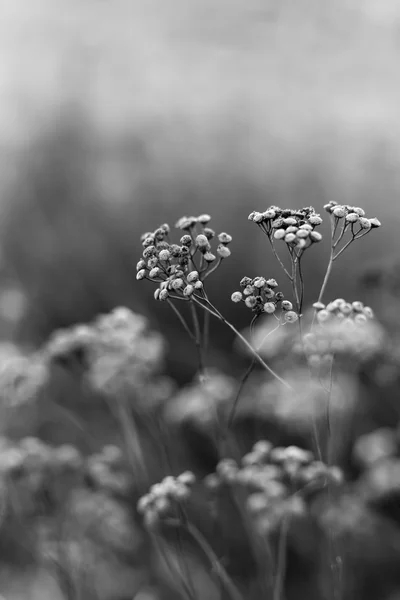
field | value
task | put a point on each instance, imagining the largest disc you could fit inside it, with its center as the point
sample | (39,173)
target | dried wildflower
(291,316)
(186,223)
(269,307)
(164,499)
(237,297)
(223,251)
(140,274)
(225,238)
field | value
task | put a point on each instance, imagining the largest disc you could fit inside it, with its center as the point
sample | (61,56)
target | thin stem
(214,561)
(278,258)
(343,249)
(182,320)
(213,311)
(214,268)
(197,338)
(281,559)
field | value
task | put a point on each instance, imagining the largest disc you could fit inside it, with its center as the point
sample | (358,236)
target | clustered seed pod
(260,296)
(274,478)
(352,215)
(295,227)
(166,263)
(164,498)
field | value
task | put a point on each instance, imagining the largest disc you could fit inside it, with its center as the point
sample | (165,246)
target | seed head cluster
(174,266)
(165,498)
(351,314)
(260,296)
(297,228)
(352,215)
(276,480)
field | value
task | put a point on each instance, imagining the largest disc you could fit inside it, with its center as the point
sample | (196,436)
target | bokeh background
(118,116)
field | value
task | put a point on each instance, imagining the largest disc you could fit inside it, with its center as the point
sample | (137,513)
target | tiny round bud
(306,227)
(301,243)
(269,308)
(365,223)
(330,206)
(149,241)
(375,222)
(189,290)
(262,448)
(209,257)
(192,276)
(323,316)
(257,503)
(359,211)
(339,212)
(204,219)
(143,504)
(202,241)
(315,236)
(346,308)
(186,223)
(237,296)
(149,251)
(303,233)
(225,238)
(269,214)
(164,255)
(140,274)
(290,238)
(177,284)
(368,312)
(358,306)
(352,217)
(290,221)
(272,283)
(360,319)
(209,233)
(223,251)
(212,481)
(245,281)
(249,290)
(140,265)
(157,294)
(152,262)
(154,272)
(259,282)
(279,234)
(292,229)
(291,317)
(198,285)
(163,294)
(315,220)
(286,305)
(250,301)
(268,293)
(257,217)
(186,240)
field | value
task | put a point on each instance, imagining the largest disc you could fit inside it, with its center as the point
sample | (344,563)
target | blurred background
(116,117)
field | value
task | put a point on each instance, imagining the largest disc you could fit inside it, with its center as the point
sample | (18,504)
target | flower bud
(339,212)
(359,211)
(315,220)
(164,255)
(209,233)
(365,223)
(272,283)
(198,285)
(368,312)
(177,284)
(269,308)
(286,305)
(157,294)
(303,233)
(202,241)
(223,251)
(358,306)
(187,478)
(375,222)
(154,272)
(245,281)
(189,290)
(250,301)
(152,262)
(279,234)
(323,316)
(140,265)
(204,219)
(209,257)
(259,282)
(186,240)
(237,296)
(141,274)
(225,238)
(290,237)
(291,317)
(290,221)
(193,276)
(163,294)
(360,319)
(315,236)
(269,214)
(149,251)
(352,217)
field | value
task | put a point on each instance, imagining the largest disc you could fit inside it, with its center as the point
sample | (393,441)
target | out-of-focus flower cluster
(260,296)
(352,216)
(22,376)
(117,351)
(180,269)
(107,471)
(295,227)
(277,481)
(342,328)
(165,499)
(202,403)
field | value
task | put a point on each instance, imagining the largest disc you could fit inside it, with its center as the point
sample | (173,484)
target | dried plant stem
(197,338)
(182,320)
(214,561)
(213,311)
(281,559)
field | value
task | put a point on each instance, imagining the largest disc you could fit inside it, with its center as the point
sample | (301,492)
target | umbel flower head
(352,215)
(297,228)
(260,296)
(180,269)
